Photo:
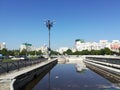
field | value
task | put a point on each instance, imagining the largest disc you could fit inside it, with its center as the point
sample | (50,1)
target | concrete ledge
(26,73)
(112,72)
(106,74)
(14,74)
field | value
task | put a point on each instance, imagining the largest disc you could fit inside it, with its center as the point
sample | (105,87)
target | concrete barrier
(114,78)
(16,80)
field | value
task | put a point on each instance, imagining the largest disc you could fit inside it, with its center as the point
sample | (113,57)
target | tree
(4,52)
(11,52)
(69,52)
(107,51)
(39,52)
(31,53)
(54,52)
(85,52)
(102,52)
(77,53)
(119,50)
(23,52)
(16,52)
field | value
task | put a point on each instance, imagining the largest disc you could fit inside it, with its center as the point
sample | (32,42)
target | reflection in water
(66,77)
(49,82)
(80,67)
(109,76)
(37,79)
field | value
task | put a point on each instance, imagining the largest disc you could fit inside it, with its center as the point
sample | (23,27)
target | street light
(49,24)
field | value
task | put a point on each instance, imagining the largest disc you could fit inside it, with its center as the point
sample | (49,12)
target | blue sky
(92,20)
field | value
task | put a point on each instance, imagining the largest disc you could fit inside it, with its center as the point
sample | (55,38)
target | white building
(27,47)
(104,44)
(80,45)
(62,49)
(2,45)
(44,49)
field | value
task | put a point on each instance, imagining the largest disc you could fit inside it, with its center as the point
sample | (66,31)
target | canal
(70,77)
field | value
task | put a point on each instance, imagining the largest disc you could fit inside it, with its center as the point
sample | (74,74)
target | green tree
(4,52)
(11,52)
(69,52)
(31,53)
(77,53)
(107,51)
(92,52)
(39,52)
(23,52)
(119,51)
(54,52)
(85,52)
(98,52)
(16,52)
(102,52)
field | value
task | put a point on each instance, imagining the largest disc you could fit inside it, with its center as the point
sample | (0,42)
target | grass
(33,57)
(6,60)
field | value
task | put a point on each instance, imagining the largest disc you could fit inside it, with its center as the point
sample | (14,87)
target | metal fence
(6,67)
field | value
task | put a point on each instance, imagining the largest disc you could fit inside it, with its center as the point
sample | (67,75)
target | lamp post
(49,24)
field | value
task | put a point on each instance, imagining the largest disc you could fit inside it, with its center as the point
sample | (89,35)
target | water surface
(65,77)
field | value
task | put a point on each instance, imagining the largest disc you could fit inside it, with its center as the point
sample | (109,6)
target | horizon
(23,21)
(61,46)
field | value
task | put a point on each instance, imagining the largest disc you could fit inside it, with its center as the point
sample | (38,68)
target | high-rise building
(115,45)
(62,49)
(44,49)
(80,45)
(27,47)
(2,45)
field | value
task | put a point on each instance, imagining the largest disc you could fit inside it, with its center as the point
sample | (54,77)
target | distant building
(44,49)
(104,44)
(62,49)
(115,45)
(2,45)
(27,47)
(80,45)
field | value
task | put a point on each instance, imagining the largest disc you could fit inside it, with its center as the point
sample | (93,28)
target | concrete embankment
(111,75)
(105,66)
(17,79)
(114,78)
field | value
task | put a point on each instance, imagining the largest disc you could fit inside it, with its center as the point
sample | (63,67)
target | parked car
(1,57)
(15,58)
(24,58)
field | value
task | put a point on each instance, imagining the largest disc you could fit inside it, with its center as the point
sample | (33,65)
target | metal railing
(6,67)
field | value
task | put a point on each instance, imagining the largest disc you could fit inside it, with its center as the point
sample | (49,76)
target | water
(65,77)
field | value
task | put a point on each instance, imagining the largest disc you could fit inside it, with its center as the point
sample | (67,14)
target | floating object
(56,76)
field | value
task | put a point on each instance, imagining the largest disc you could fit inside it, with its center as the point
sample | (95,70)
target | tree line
(6,52)
(105,51)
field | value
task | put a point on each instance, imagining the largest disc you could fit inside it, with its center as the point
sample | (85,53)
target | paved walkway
(7,80)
